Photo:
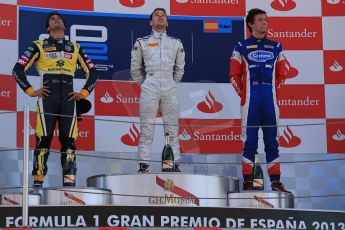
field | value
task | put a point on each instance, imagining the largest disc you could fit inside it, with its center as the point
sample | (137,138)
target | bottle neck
(256,158)
(167,140)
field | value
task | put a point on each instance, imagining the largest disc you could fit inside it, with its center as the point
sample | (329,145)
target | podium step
(15,198)
(74,196)
(167,189)
(261,199)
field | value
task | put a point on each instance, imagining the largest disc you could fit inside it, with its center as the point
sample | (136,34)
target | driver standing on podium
(258,68)
(157,65)
(56,61)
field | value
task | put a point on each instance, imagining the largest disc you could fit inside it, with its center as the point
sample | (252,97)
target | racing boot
(37,184)
(177,167)
(279,187)
(247,185)
(143,168)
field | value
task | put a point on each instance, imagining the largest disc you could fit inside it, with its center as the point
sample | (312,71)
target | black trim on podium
(176,217)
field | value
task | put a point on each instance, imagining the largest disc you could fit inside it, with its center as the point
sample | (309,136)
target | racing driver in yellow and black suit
(56,62)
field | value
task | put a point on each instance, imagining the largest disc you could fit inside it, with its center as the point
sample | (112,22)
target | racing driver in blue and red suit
(257,70)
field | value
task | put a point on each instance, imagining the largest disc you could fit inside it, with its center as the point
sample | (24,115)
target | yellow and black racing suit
(56,62)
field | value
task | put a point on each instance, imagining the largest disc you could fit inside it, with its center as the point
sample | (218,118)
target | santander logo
(283,5)
(107,98)
(336,67)
(288,139)
(184,136)
(291,71)
(132,3)
(32,131)
(210,105)
(333,2)
(132,138)
(338,136)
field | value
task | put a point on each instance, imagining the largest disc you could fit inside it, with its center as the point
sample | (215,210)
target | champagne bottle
(167,156)
(257,174)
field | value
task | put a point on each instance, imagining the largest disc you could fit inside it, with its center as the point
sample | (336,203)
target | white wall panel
(8,129)
(12,2)
(335,106)
(333,33)
(309,66)
(9,55)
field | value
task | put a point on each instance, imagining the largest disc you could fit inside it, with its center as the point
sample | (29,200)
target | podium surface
(261,199)
(167,189)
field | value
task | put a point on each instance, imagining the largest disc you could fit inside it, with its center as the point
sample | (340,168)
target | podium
(74,196)
(260,199)
(167,189)
(15,198)
(179,200)
(155,189)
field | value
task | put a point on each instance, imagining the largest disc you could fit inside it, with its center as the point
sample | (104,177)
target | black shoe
(143,168)
(247,185)
(37,184)
(68,185)
(177,167)
(279,187)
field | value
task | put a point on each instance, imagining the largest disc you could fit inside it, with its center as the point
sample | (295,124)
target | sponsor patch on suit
(154,44)
(268,47)
(48,49)
(252,47)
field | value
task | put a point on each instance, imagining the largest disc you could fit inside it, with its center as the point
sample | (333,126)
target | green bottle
(167,156)
(257,174)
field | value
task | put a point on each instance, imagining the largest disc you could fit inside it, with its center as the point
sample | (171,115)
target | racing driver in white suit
(157,65)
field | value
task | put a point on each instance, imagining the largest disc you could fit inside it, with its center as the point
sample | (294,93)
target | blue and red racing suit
(257,68)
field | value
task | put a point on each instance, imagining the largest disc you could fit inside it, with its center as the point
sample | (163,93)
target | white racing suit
(157,64)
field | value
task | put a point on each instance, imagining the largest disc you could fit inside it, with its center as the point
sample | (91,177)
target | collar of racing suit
(257,40)
(159,34)
(51,39)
